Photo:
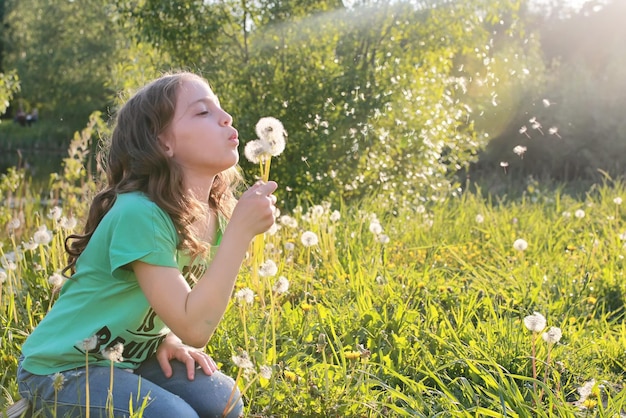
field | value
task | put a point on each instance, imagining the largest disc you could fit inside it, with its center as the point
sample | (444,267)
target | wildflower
(56,280)
(68,223)
(42,236)
(90,343)
(480,219)
(256,151)
(58,380)
(55,213)
(352,355)
(288,221)
(552,335)
(8,261)
(3,276)
(567,214)
(520,245)
(271,131)
(268,269)
(383,239)
(14,224)
(535,322)
(291,376)
(335,216)
(617,200)
(579,214)
(30,245)
(265,372)
(243,360)
(114,354)
(375,228)
(309,239)
(587,391)
(281,286)
(245,295)
(306,307)
(290,246)
(520,150)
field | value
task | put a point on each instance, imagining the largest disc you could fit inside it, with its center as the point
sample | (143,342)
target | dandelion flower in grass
(56,280)
(281,286)
(375,228)
(58,381)
(309,239)
(68,223)
(245,295)
(30,245)
(335,216)
(268,269)
(265,372)
(552,335)
(579,213)
(14,224)
(42,236)
(243,360)
(114,354)
(3,276)
(383,239)
(291,376)
(290,246)
(90,343)
(535,322)
(480,219)
(55,213)
(520,245)
(566,214)
(288,221)
(617,200)
(271,131)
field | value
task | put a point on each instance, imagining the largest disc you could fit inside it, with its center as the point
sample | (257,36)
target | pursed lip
(234,137)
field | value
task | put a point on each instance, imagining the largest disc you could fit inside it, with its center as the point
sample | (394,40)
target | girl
(171,173)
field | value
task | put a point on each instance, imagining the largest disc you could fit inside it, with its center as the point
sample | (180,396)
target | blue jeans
(178,397)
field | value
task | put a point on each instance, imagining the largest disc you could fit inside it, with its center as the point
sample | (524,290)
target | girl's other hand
(172,348)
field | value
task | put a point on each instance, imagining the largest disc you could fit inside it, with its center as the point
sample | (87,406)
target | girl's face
(200,138)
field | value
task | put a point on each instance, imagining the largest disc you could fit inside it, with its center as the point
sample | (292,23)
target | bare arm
(193,314)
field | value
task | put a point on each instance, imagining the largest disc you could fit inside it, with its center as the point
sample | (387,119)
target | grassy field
(468,307)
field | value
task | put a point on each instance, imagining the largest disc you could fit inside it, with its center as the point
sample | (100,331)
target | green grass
(427,324)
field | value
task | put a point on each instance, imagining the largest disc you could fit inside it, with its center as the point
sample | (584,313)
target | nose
(227,119)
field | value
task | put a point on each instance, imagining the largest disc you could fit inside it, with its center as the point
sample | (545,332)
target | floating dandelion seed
(524,131)
(534,123)
(535,322)
(546,103)
(554,131)
(309,239)
(268,269)
(520,150)
(281,286)
(552,335)
(520,245)
(579,213)
(504,165)
(245,295)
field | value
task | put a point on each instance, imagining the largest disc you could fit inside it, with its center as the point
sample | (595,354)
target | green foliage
(9,86)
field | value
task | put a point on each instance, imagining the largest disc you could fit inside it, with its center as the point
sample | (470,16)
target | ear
(167,145)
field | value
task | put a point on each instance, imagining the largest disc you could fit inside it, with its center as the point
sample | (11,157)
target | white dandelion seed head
(281,286)
(30,245)
(335,216)
(617,200)
(383,239)
(90,343)
(114,353)
(14,224)
(567,214)
(504,164)
(55,213)
(271,131)
(265,372)
(68,223)
(245,295)
(553,130)
(552,335)
(256,151)
(288,221)
(56,280)
(3,276)
(520,244)
(535,322)
(375,228)
(309,239)
(546,102)
(579,213)
(42,236)
(586,390)
(58,380)
(523,129)
(290,246)
(268,269)
(480,219)
(243,360)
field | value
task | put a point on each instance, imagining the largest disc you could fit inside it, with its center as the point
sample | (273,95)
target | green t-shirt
(103,302)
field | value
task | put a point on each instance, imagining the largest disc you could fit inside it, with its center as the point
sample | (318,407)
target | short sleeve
(140,231)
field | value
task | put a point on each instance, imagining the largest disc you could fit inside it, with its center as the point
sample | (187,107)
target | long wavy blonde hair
(135,161)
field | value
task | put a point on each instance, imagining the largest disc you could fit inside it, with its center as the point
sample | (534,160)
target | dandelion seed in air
(520,150)
(546,103)
(534,123)
(535,322)
(520,245)
(524,131)
(554,131)
(504,165)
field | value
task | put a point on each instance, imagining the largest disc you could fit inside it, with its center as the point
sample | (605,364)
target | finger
(264,189)
(190,363)
(207,364)
(164,362)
